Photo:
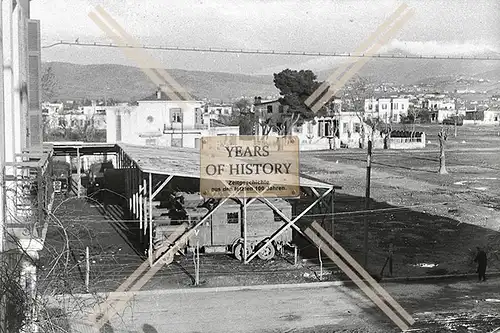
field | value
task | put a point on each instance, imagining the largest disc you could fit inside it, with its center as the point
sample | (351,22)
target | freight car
(61,177)
(96,176)
(114,184)
(222,233)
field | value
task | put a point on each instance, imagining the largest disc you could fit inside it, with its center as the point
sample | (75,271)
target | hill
(414,71)
(129,83)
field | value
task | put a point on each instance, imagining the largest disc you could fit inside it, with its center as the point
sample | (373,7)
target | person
(481,264)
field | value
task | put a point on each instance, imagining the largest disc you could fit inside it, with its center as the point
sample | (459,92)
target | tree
(413,115)
(334,112)
(295,87)
(242,116)
(355,95)
(442,136)
(49,85)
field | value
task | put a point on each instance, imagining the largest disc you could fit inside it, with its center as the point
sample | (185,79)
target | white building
(318,133)
(216,112)
(441,108)
(52,108)
(388,109)
(339,127)
(159,121)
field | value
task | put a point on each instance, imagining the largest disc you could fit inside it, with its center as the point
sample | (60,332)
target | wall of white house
(151,124)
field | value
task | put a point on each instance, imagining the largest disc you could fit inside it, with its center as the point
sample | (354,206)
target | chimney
(158,93)
(257,100)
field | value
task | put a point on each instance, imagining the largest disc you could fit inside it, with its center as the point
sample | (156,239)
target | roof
(165,97)
(183,162)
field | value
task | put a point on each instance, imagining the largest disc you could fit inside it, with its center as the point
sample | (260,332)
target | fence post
(320,264)
(87,271)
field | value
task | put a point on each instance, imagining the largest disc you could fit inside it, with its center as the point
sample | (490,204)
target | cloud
(425,48)
(438,48)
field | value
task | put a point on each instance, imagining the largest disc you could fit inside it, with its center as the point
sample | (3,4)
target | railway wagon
(114,184)
(96,176)
(61,177)
(223,232)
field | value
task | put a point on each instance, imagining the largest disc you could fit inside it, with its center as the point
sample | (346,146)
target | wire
(268,52)
(357,212)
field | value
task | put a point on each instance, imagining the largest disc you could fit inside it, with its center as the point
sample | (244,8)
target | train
(61,177)
(223,231)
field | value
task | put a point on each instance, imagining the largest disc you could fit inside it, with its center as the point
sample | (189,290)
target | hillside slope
(129,83)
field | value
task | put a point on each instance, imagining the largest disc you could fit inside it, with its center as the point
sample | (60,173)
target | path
(445,307)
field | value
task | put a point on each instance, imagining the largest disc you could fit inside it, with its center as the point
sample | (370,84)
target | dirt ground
(459,306)
(434,221)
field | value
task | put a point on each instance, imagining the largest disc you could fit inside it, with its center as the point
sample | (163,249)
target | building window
(402,106)
(309,128)
(118,127)
(345,127)
(233,218)
(150,119)
(176,115)
(370,107)
(269,109)
(395,106)
(357,128)
(198,116)
(384,106)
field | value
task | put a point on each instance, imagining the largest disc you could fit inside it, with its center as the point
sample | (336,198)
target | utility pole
(182,129)
(456,116)
(367,200)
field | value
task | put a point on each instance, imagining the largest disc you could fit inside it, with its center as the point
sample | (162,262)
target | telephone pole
(367,201)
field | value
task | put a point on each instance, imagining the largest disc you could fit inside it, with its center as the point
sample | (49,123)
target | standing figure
(481,264)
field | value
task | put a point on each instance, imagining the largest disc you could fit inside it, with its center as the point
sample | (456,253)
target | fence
(407,140)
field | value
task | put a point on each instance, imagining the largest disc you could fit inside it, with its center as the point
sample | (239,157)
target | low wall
(407,143)
(480,122)
(317,144)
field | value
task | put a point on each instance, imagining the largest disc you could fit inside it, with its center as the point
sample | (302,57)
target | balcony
(177,127)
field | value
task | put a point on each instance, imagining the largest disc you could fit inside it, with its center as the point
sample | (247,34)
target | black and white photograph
(250,166)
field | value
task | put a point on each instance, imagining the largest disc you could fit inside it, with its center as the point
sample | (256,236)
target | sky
(438,27)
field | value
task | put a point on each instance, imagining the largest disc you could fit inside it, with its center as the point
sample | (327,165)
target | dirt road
(465,306)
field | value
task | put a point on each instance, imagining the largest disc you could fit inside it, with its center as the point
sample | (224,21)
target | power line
(269,52)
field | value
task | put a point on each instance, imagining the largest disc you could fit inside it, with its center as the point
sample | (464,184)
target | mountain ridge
(128,83)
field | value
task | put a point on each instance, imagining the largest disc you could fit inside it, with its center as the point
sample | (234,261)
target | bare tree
(241,116)
(48,303)
(442,136)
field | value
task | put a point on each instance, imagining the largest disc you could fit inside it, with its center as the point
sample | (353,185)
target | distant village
(157,120)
